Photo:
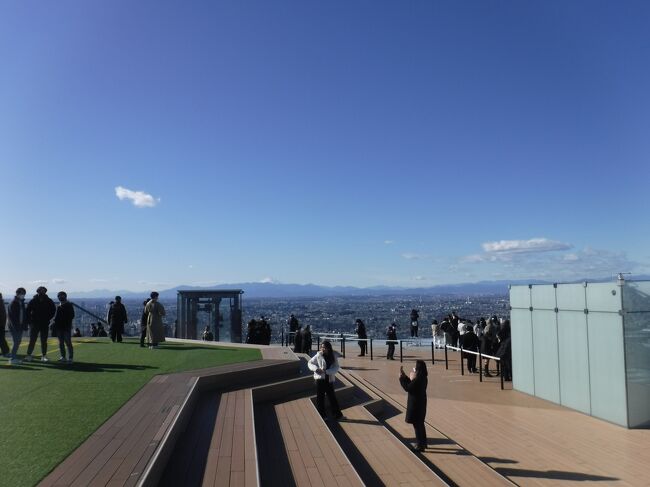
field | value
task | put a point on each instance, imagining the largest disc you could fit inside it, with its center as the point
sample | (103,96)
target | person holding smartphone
(415,384)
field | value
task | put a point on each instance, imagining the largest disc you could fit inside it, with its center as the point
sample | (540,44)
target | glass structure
(220,311)
(585,346)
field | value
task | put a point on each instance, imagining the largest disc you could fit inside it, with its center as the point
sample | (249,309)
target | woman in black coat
(416,408)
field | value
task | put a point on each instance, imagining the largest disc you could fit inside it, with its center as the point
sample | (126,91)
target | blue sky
(355,143)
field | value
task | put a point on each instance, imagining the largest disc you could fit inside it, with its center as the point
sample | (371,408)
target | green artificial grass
(47,410)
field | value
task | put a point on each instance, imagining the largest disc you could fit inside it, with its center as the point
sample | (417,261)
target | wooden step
(314,456)
(450,460)
(380,457)
(232,458)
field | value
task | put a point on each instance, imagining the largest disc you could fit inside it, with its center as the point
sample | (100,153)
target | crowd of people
(42,317)
(258,332)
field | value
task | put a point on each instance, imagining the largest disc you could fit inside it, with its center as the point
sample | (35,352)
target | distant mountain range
(279,290)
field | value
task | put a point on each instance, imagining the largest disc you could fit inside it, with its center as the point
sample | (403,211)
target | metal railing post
(433,358)
(317,342)
(462,362)
(480,365)
(283,337)
(343,344)
(401,359)
(371,349)
(446,359)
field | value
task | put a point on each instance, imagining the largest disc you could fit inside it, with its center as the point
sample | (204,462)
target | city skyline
(151,145)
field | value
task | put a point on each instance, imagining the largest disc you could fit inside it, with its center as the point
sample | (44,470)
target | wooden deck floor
(528,440)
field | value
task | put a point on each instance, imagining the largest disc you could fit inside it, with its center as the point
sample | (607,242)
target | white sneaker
(44,358)
(15,361)
(62,359)
(28,358)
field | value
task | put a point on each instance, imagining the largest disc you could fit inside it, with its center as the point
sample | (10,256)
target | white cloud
(139,199)
(412,256)
(420,278)
(95,280)
(39,282)
(524,246)
(389,242)
(58,281)
(268,280)
(570,257)
(469,259)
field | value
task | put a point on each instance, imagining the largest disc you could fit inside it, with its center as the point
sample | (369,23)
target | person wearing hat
(116,319)
(40,312)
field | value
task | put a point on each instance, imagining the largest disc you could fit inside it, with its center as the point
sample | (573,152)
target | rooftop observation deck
(261,428)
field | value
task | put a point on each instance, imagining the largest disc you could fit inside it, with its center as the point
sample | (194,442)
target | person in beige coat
(155,328)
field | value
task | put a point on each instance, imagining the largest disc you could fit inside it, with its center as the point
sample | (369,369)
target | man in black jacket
(116,319)
(63,326)
(40,310)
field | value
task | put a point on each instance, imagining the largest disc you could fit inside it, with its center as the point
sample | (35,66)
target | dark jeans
(143,335)
(471,362)
(364,347)
(420,434)
(324,386)
(4,346)
(65,341)
(17,337)
(414,331)
(34,331)
(391,351)
(116,333)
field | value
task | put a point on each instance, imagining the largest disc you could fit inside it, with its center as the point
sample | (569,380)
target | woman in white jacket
(325,366)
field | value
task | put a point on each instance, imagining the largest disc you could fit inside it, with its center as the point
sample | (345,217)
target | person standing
(504,352)
(4,346)
(143,322)
(470,344)
(297,342)
(63,326)
(17,318)
(40,311)
(306,339)
(362,336)
(487,345)
(391,337)
(294,327)
(116,319)
(325,366)
(155,328)
(415,384)
(415,316)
